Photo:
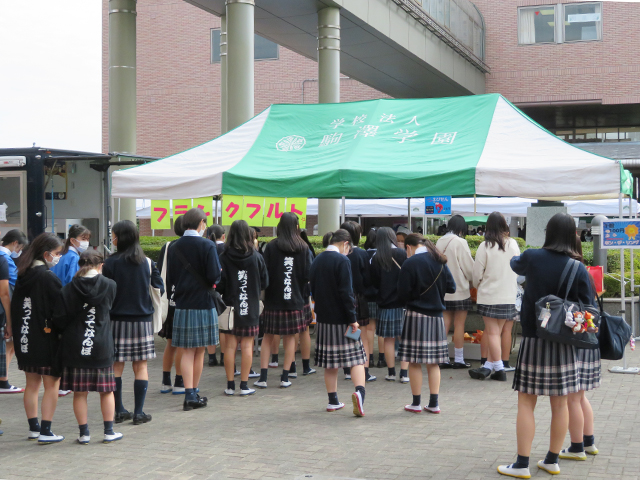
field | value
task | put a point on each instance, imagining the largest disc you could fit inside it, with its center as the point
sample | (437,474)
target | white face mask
(82,245)
(54,261)
(16,254)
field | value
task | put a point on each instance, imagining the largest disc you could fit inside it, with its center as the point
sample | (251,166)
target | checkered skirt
(39,370)
(390,321)
(373,311)
(3,354)
(195,328)
(283,322)
(248,331)
(546,368)
(308,314)
(589,368)
(423,340)
(133,341)
(499,312)
(459,305)
(88,379)
(334,350)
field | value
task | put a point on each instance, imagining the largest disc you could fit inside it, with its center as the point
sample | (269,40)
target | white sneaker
(253,374)
(236,373)
(178,391)
(311,371)
(404,379)
(11,389)
(565,454)
(293,374)
(347,376)
(432,409)
(63,393)
(592,450)
(358,409)
(552,468)
(48,439)
(284,384)
(165,388)
(260,384)
(413,408)
(229,392)
(390,378)
(273,364)
(372,378)
(333,408)
(248,391)
(108,438)
(509,369)
(84,439)
(509,471)
(33,435)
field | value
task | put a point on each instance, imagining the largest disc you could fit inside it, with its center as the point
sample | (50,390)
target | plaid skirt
(373,311)
(499,312)
(459,305)
(166,331)
(589,368)
(39,370)
(390,321)
(248,331)
(88,379)
(423,340)
(283,322)
(308,314)
(334,350)
(195,328)
(546,368)
(3,354)
(133,341)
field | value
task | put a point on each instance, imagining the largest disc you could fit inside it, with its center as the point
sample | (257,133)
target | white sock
(488,365)
(497,366)
(459,355)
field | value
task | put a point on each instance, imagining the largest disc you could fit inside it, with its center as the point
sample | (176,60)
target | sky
(50,74)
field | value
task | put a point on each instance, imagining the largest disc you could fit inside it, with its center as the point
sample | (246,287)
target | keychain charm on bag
(545,315)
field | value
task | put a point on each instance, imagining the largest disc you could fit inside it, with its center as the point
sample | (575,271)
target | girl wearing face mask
(77,242)
(35,301)
(332,290)
(12,245)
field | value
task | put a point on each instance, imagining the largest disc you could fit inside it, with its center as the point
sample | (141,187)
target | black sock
(521,462)
(221,358)
(483,360)
(84,430)
(118,396)
(212,355)
(231,384)
(404,373)
(4,384)
(108,428)
(392,370)
(45,428)
(166,378)
(433,400)
(576,447)
(292,368)
(305,365)
(347,370)
(285,375)
(243,385)
(34,426)
(380,356)
(179,382)
(505,363)
(274,358)
(263,374)
(189,394)
(139,394)
(360,389)
(416,401)
(551,458)
(366,372)
(588,440)
(333,398)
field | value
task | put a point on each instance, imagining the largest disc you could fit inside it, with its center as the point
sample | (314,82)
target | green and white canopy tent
(460,146)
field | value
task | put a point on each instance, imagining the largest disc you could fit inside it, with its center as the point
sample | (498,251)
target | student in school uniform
(288,260)
(244,276)
(544,367)
(35,300)
(460,263)
(12,245)
(132,315)
(76,243)
(216,234)
(194,269)
(303,339)
(385,270)
(371,294)
(423,282)
(171,354)
(332,289)
(86,344)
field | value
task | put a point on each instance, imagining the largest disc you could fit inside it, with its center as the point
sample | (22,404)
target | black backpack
(613,336)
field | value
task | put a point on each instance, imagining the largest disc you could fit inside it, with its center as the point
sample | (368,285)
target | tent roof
(387,148)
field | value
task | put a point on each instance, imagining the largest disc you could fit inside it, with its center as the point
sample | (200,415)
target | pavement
(287,434)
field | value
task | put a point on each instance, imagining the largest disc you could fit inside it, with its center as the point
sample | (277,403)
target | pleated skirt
(499,312)
(589,368)
(308,314)
(546,368)
(390,321)
(423,340)
(49,371)
(283,322)
(459,305)
(334,350)
(100,380)
(373,311)
(133,341)
(195,328)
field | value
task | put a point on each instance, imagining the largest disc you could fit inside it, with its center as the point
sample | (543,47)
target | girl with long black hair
(371,294)
(35,301)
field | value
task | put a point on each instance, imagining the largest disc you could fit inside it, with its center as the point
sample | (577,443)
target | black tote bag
(614,334)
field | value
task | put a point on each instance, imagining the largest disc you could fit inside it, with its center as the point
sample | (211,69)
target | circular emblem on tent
(290,143)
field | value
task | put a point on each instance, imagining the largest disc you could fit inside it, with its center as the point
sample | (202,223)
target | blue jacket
(67,266)
(13,270)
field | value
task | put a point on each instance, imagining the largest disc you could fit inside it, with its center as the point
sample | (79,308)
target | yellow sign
(273,210)
(205,204)
(253,211)
(160,215)
(299,207)
(232,207)
(181,206)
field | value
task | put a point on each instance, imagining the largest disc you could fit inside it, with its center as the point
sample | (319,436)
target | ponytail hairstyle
(45,242)
(415,239)
(75,231)
(385,238)
(497,231)
(339,236)
(89,260)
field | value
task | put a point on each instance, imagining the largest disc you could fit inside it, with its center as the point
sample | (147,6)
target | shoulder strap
(572,277)
(150,269)
(190,269)
(445,248)
(434,282)
(565,272)
(397,264)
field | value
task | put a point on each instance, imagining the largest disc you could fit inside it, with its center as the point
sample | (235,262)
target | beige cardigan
(460,263)
(492,274)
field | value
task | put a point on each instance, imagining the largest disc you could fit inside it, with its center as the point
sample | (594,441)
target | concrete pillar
(122,91)
(538,215)
(240,33)
(328,92)
(223,75)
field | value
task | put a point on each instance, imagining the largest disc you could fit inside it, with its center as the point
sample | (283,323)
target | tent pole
(344,215)
(409,213)
(475,205)
(216,202)
(633,286)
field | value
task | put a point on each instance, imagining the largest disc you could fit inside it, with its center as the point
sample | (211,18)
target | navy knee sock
(243,385)
(551,458)
(392,370)
(263,374)
(587,440)
(34,426)
(404,373)
(416,401)
(433,400)
(139,394)
(305,365)
(4,384)
(189,395)
(347,370)
(274,358)
(166,378)
(285,375)
(521,462)
(231,384)
(333,398)
(360,389)
(108,428)
(179,382)
(84,430)
(45,428)
(576,447)
(118,396)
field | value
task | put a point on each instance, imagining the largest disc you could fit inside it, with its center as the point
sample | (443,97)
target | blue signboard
(621,234)
(440,206)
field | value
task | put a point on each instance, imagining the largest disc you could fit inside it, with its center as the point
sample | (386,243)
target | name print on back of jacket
(288,267)
(90,330)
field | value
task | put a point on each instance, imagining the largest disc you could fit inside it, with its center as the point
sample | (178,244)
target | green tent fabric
(478,220)
(388,148)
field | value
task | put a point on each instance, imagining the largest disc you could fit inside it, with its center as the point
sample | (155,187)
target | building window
(599,134)
(263,49)
(574,22)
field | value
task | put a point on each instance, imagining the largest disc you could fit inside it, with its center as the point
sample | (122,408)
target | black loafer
(381,363)
(499,375)
(204,399)
(458,365)
(445,365)
(192,404)
(123,417)
(141,418)
(479,373)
